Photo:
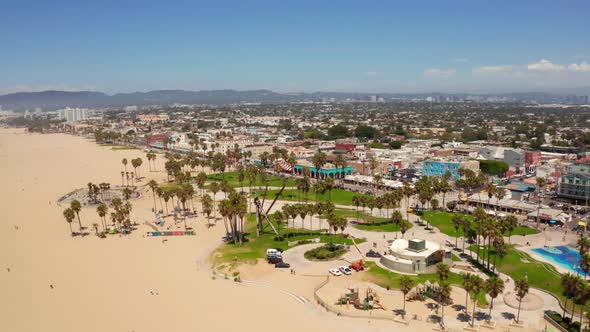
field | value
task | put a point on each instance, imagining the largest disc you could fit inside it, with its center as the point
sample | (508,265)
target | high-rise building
(73,114)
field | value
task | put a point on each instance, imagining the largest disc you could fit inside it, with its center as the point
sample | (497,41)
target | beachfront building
(328,170)
(440,167)
(415,256)
(576,183)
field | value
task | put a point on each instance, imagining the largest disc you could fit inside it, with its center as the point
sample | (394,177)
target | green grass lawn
(443,221)
(386,278)
(232,179)
(517,264)
(255,248)
(338,196)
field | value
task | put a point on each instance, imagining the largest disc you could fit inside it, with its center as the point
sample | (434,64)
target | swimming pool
(563,256)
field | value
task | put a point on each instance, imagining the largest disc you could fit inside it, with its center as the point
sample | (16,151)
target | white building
(73,114)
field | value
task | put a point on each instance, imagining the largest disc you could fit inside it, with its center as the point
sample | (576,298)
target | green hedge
(493,167)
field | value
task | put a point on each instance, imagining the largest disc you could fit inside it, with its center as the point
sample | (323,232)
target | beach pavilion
(329,170)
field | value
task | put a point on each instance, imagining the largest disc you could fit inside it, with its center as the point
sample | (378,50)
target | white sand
(104,285)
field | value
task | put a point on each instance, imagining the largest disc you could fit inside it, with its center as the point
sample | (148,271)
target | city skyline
(418,47)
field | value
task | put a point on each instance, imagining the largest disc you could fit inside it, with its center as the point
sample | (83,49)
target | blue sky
(365,46)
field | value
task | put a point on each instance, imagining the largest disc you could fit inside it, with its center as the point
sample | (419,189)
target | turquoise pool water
(563,256)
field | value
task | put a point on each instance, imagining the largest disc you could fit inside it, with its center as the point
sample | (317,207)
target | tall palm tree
(444,298)
(569,285)
(521,287)
(153,186)
(318,160)
(214,188)
(76,206)
(457,221)
(477,286)
(356,200)
(406,284)
(124,161)
(102,210)
(442,272)
(494,286)
(69,215)
(467,286)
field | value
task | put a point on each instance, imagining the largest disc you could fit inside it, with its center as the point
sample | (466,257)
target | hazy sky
(282,45)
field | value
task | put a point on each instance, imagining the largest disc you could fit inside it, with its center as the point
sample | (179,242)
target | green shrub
(493,167)
(325,252)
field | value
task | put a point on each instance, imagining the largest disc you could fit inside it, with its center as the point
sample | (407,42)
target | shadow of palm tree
(434,319)
(508,316)
(399,312)
(458,307)
(480,316)
(463,317)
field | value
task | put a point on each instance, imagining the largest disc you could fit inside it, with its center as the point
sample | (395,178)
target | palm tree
(569,285)
(153,186)
(69,215)
(207,204)
(444,292)
(584,244)
(76,206)
(444,298)
(406,284)
(166,195)
(521,287)
(581,298)
(318,160)
(457,221)
(491,189)
(303,213)
(466,227)
(278,217)
(494,286)
(477,286)
(356,200)
(585,264)
(577,287)
(102,210)
(124,161)
(127,193)
(467,286)
(510,222)
(214,188)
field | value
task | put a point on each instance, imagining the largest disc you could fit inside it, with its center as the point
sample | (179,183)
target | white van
(273,252)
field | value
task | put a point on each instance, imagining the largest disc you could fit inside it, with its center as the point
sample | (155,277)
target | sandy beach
(51,281)
(106,284)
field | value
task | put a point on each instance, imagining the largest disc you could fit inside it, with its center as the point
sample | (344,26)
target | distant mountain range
(52,100)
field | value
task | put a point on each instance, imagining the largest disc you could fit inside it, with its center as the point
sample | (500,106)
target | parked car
(345,269)
(335,272)
(282,265)
(274,260)
(373,253)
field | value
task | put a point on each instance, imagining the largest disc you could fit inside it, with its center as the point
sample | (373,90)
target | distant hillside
(52,100)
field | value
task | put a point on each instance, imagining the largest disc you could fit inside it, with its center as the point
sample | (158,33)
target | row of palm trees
(321,209)
(576,289)
(483,228)
(136,163)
